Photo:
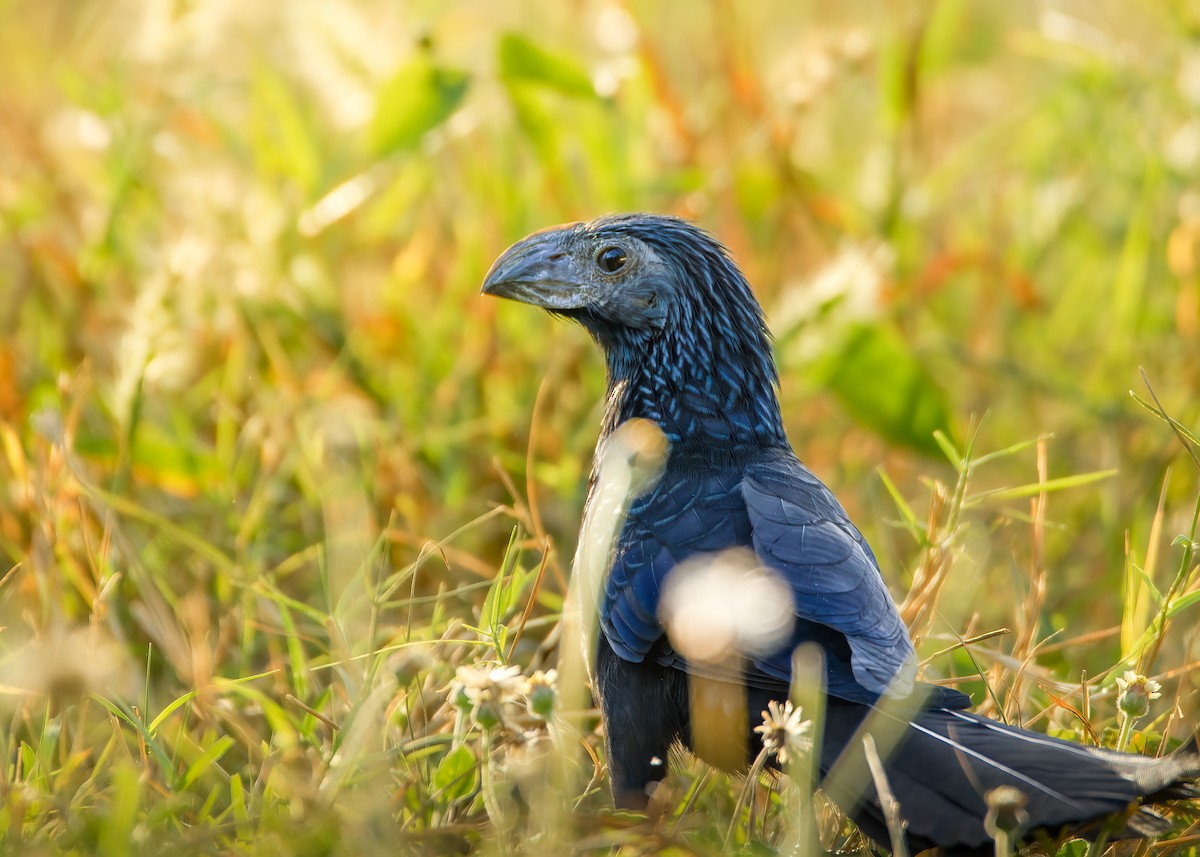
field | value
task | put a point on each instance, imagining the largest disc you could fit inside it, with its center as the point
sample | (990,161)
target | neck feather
(697,392)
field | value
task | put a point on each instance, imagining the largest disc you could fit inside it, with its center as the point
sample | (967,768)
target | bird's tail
(945,763)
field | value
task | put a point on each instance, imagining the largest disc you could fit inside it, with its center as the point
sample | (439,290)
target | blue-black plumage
(686,346)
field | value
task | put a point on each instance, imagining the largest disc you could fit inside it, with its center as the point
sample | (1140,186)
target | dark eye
(611,259)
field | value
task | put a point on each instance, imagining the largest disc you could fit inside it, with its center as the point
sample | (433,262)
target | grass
(271,472)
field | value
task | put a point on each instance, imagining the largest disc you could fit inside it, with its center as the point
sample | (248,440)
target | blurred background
(255,416)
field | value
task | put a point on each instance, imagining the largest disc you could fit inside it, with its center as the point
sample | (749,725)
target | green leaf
(1184,602)
(502,596)
(418,98)
(946,445)
(238,801)
(882,385)
(124,506)
(1183,430)
(207,759)
(535,118)
(129,717)
(120,815)
(171,709)
(1009,450)
(1075,848)
(907,516)
(1034,488)
(283,139)
(455,774)
(522,60)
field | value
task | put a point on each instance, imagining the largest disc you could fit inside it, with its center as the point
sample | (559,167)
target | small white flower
(784,731)
(501,684)
(485,692)
(1136,694)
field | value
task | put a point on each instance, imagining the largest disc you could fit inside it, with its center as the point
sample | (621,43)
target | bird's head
(665,302)
(630,278)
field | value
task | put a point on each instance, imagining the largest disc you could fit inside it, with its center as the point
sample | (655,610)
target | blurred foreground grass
(271,471)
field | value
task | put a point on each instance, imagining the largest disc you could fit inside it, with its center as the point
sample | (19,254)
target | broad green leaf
(957,33)
(522,60)
(1127,306)
(1075,848)
(418,98)
(179,701)
(502,597)
(297,662)
(535,118)
(455,774)
(881,384)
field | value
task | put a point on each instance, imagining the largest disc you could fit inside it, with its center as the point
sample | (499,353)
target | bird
(687,347)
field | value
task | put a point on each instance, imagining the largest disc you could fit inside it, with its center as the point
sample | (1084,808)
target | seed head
(540,693)
(1006,811)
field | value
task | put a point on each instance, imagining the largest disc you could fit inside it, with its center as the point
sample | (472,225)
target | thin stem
(1126,728)
(743,796)
(1003,844)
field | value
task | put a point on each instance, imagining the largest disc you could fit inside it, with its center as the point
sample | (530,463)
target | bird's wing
(801,531)
(685,516)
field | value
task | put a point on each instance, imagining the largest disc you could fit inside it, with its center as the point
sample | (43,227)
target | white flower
(784,731)
(1136,693)
(486,691)
(500,684)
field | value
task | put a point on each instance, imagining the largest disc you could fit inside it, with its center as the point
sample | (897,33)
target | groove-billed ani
(687,347)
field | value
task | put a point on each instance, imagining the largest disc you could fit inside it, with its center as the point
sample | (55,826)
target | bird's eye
(611,259)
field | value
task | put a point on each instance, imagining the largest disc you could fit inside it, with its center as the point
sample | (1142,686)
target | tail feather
(947,761)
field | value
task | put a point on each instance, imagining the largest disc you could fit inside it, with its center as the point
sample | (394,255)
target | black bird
(687,347)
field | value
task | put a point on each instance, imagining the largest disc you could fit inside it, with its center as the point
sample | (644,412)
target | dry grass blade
(887,800)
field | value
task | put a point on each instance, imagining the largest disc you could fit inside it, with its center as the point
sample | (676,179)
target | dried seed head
(1006,812)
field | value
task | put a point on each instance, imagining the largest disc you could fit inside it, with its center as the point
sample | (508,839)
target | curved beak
(539,270)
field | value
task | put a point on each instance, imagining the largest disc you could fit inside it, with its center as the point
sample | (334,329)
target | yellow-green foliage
(271,472)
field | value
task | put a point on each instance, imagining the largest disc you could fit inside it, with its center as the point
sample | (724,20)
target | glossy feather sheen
(686,346)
